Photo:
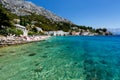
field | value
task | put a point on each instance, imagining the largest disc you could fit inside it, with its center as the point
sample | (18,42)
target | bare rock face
(22,7)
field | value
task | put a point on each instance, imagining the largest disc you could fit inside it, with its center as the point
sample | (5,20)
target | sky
(94,13)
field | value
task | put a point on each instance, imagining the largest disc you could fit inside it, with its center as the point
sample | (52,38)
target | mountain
(22,7)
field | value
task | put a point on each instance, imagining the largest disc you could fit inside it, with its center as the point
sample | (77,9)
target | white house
(17,21)
(57,33)
(25,31)
(74,28)
(61,33)
(39,29)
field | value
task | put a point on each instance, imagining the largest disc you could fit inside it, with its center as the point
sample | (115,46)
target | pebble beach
(12,40)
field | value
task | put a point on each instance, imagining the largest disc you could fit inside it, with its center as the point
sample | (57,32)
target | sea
(63,58)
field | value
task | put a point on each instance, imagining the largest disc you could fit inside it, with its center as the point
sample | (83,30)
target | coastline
(12,40)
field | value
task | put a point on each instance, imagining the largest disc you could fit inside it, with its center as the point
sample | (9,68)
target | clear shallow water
(63,58)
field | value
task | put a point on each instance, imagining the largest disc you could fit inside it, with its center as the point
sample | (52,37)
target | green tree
(4,18)
(104,29)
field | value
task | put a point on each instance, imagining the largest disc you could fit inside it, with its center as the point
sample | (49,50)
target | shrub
(8,31)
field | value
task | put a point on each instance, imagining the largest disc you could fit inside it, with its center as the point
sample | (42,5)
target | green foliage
(44,23)
(24,20)
(31,33)
(101,30)
(85,27)
(6,20)
(104,29)
(8,31)
(64,26)
(14,31)
(34,30)
(92,30)
(5,17)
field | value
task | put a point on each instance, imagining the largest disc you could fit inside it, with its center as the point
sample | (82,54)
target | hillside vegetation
(6,23)
(44,23)
(31,21)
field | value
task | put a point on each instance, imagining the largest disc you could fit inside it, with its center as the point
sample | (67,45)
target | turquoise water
(63,58)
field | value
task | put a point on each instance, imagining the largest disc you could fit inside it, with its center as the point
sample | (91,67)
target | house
(57,33)
(74,28)
(39,29)
(22,28)
(75,33)
(85,33)
(61,33)
(17,21)
(33,22)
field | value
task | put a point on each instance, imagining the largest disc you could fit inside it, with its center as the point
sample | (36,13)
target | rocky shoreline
(10,40)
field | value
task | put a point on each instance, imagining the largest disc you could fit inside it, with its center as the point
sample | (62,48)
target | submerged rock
(1,55)
(68,47)
(46,53)
(12,51)
(89,61)
(44,56)
(75,63)
(32,54)
(27,52)
(23,49)
(39,69)
(48,46)
(36,64)
(103,62)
